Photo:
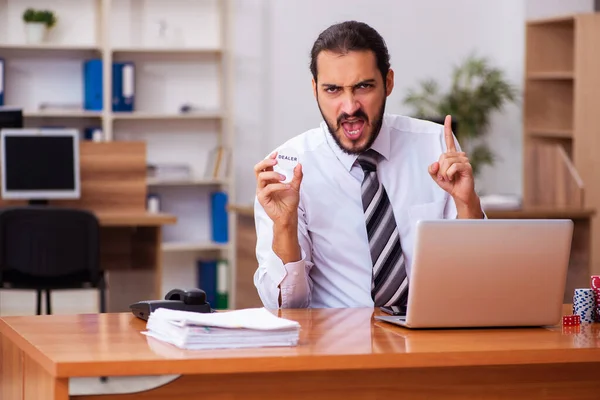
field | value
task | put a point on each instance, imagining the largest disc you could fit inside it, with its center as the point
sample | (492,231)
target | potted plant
(37,23)
(477,90)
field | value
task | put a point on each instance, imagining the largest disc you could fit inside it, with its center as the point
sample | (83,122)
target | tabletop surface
(533,212)
(140,218)
(112,344)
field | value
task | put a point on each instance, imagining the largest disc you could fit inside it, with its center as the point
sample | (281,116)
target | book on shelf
(169,171)
(2,81)
(217,166)
(123,86)
(252,327)
(219,217)
(212,277)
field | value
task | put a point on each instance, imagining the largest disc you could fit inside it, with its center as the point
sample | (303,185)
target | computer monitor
(11,117)
(40,164)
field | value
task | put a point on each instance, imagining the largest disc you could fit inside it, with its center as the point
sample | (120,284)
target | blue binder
(207,280)
(123,86)
(2,82)
(219,217)
(92,85)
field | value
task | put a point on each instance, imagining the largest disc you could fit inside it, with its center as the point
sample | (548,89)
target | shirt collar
(381,145)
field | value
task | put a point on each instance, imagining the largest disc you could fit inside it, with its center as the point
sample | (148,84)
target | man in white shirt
(341,233)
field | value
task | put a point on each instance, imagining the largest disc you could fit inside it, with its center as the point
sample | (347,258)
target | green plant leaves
(45,16)
(477,90)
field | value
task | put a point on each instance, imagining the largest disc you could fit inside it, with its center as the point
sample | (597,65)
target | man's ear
(314,86)
(389,82)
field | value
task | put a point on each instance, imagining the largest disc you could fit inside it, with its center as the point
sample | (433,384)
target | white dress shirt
(336,267)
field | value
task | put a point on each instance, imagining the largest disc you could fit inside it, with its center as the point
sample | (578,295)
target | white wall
(251,106)
(535,9)
(425,39)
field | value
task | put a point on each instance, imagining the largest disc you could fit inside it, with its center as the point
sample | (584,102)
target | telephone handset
(177,299)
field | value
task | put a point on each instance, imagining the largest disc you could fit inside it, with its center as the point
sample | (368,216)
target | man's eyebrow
(370,81)
(366,81)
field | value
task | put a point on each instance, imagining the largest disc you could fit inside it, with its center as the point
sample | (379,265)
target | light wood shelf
(63,114)
(549,133)
(186,182)
(49,47)
(166,50)
(551,75)
(561,121)
(550,45)
(553,21)
(140,115)
(194,246)
(549,104)
(198,71)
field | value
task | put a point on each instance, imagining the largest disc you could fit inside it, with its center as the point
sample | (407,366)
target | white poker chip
(287,159)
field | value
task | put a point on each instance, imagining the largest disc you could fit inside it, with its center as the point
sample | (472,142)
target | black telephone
(177,299)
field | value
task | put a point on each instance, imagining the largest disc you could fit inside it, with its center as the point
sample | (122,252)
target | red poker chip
(595,282)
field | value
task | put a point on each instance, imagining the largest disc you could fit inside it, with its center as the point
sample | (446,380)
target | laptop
(487,273)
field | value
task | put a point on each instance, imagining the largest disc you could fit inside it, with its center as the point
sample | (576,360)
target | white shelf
(185,182)
(194,246)
(166,50)
(140,115)
(197,71)
(48,46)
(48,49)
(63,114)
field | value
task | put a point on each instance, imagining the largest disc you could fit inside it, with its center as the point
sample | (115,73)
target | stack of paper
(253,327)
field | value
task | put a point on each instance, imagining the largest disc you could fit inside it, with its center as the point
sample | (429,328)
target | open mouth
(353,128)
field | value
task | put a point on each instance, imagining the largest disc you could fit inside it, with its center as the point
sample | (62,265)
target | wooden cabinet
(561,117)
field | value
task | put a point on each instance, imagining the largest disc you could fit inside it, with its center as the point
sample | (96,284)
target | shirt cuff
(286,274)
(293,271)
(293,286)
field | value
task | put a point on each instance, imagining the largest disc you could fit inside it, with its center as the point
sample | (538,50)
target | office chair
(45,248)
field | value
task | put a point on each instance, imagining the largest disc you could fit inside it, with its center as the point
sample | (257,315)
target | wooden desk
(130,253)
(579,263)
(114,188)
(110,219)
(342,354)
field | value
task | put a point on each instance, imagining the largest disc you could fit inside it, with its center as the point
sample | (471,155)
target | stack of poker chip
(595,285)
(584,305)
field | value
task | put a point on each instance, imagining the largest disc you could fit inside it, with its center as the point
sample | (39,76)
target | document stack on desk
(253,327)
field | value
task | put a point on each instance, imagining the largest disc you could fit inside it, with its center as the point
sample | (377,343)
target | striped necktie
(390,284)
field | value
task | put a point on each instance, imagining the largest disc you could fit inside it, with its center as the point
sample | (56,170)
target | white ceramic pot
(35,32)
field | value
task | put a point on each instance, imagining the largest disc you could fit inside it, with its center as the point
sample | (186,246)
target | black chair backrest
(44,241)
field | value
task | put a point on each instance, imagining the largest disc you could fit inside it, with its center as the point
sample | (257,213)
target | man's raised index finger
(450,146)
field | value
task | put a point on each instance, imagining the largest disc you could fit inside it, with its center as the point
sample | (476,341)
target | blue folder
(207,280)
(123,87)
(92,85)
(219,217)
(2,81)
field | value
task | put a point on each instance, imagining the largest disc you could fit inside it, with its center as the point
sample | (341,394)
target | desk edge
(24,345)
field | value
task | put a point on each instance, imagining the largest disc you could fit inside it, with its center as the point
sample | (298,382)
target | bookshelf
(561,120)
(189,65)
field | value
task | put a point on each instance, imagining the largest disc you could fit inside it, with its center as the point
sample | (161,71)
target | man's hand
(453,173)
(280,202)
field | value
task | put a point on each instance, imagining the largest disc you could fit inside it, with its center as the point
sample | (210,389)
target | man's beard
(377,123)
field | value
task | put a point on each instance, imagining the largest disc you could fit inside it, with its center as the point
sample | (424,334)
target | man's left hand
(453,173)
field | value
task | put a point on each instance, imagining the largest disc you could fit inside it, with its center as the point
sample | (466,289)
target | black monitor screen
(11,118)
(39,163)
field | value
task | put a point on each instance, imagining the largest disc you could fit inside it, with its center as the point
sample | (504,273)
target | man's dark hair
(351,36)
